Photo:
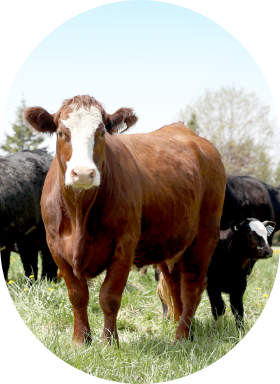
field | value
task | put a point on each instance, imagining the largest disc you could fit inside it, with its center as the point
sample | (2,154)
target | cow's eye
(253,236)
(60,133)
(102,133)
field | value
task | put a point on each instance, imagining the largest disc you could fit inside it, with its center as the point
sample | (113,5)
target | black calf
(239,246)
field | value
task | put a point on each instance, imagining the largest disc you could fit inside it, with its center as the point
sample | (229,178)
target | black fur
(22,176)
(230,265)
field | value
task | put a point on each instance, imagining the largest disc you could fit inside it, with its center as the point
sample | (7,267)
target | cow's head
(252,237)
(81,125)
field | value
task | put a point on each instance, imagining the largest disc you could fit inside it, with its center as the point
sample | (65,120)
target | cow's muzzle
(83,177)
(265,252)
(268,253)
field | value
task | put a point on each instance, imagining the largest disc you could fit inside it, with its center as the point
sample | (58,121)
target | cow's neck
(78,203)
(239,252)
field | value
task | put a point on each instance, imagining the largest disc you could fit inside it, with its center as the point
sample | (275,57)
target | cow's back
(274,194)
(246,197)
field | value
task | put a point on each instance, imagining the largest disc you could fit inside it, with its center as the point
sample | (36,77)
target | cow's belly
(171,221)
(228,280)
(155,249)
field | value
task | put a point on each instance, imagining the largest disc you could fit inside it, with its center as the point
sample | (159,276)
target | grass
(148,351)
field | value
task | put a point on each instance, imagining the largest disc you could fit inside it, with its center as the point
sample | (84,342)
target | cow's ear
(235,226)
(269,225)
(121,120)
(39,119)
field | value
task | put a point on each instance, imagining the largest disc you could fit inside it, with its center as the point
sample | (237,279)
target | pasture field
(147,350)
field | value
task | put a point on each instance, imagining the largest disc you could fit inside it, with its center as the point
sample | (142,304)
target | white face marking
(82,124)
(260,229)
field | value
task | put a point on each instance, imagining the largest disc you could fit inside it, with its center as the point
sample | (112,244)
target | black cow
(231,263)
(22,176)
(248,197)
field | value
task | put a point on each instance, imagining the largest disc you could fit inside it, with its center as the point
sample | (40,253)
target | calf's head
(251,235)
(81,125)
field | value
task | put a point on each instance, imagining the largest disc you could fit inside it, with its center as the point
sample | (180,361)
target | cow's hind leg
(193,282)
(194,264)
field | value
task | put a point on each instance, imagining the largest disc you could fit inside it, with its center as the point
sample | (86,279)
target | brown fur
(160,199)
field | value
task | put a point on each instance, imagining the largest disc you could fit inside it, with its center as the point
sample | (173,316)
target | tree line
(238,125)
(235,122)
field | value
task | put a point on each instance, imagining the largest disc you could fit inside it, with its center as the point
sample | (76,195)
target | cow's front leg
(28,251)
(5,260)
(79,297)
(236,302)
(218,306)
(111,291)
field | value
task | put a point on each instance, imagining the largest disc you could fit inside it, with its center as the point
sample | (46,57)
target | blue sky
(151,56)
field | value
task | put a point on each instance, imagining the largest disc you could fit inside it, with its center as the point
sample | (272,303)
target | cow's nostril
(92,174)
(74,174)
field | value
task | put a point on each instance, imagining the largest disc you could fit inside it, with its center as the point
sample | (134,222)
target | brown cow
(111,201)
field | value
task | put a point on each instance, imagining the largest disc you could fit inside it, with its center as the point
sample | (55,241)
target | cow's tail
(59,276)
(165,297)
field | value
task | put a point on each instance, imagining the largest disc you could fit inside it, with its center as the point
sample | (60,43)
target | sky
(151,56)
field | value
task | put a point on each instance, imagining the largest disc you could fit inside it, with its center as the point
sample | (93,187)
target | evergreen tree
(22,137)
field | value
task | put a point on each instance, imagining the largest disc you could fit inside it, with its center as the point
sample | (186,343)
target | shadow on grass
(206,334)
